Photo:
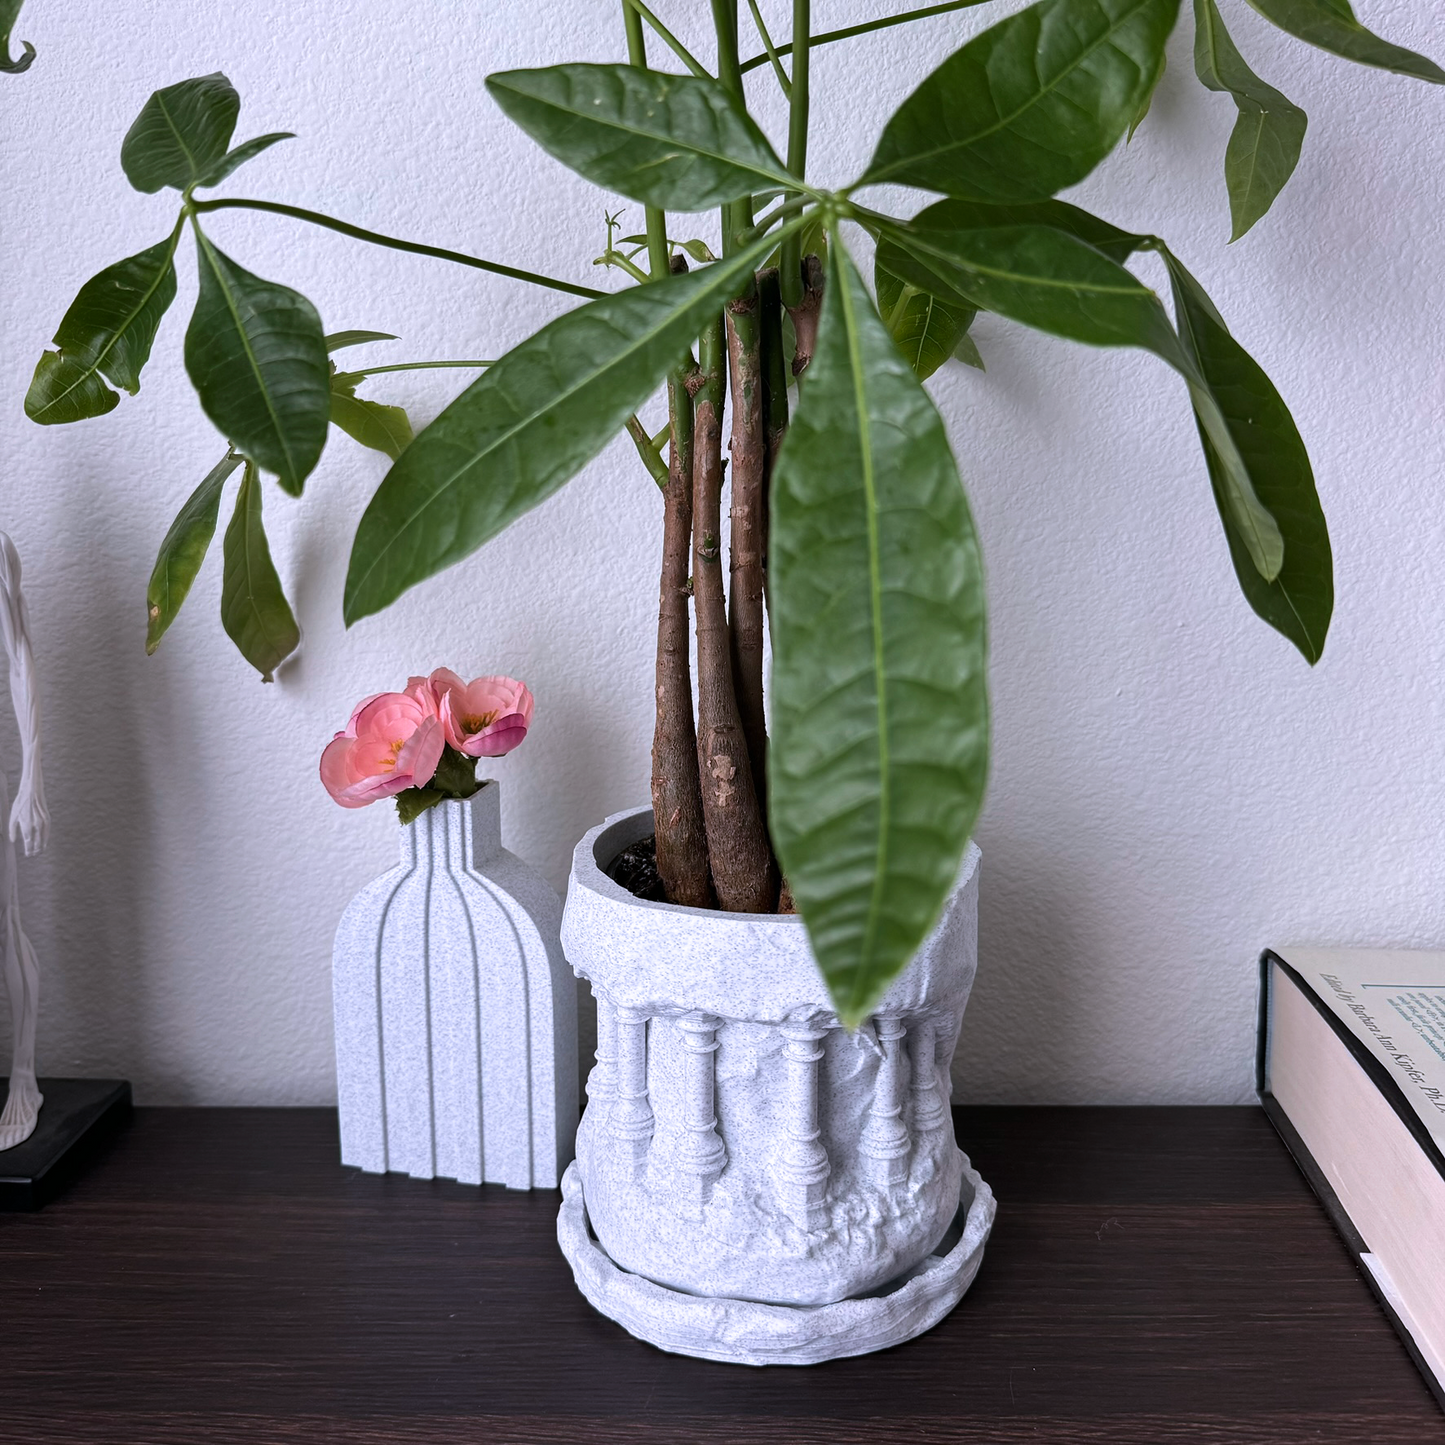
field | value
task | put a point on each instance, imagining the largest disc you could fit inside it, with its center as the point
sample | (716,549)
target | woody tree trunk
(741,859)
(745,551)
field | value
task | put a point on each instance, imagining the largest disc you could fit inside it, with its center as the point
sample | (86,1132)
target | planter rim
(588,872)
(665,958)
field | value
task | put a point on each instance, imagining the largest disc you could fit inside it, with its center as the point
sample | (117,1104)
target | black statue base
(76,1119)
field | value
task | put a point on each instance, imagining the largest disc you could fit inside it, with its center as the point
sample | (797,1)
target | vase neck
(456,834)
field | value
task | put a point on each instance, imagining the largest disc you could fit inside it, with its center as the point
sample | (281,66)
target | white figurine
(29,824)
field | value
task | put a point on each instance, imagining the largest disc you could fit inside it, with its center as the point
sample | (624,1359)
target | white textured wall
(1173,786)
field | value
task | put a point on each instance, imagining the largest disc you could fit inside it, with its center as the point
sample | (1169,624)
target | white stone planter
(456,1013)
(753,1183)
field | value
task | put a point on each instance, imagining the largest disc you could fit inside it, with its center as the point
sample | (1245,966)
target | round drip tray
(746,1332)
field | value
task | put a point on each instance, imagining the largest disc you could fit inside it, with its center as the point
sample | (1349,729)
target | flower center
(476,724)
(389,764)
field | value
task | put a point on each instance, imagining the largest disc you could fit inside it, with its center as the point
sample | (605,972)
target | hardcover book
(1351,1072)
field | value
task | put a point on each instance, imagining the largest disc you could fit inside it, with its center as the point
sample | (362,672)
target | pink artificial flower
(393,742)
(484,718)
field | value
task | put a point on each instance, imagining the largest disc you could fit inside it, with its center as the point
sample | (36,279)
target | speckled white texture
(747,1332)
(738,1143)
(456,1026)
(1171,785)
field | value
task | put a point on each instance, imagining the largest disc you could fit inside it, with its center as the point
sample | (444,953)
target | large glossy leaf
(244,152)
(519,432)
(1038,275)
(9,13)
(879,750)
(107,332)
(1265,144)
(1030,106)
(254,610)
(1331,25)
(256,354)
(374,424)
(675,141)
(1048,278)
(926,329)
(181,134)
(1298,602)
(183,550)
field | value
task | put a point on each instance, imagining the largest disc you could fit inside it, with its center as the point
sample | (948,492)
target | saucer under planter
(753,1183)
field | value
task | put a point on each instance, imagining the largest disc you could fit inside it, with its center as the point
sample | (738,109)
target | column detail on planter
(803,1167)
(703,1156)
(602,1081)
(885,1143)
(631,1118)
(929,1110)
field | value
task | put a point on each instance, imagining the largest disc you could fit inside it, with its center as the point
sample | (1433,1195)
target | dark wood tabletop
(1155,1275)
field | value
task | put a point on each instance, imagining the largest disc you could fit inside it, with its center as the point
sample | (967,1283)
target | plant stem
(775,387)
(636,7)
(790,257)
(867,26)
(745,549)
(651,458)
(805,314)
(415,247)
(678,825)
(737,216)
(737,839)
(762,28)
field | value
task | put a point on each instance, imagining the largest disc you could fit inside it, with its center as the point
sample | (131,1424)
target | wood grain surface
(1156,1275)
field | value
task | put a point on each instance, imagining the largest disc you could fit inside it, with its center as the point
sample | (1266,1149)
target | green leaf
(674,141)
(411,803)
(1265,144)
(254,610)
(339,340)
(107,332)
(9,11)
(1331,25)
(879,750)
(241,154)
(967,352)
(256,354)
(1050,279)
(1299,601)
(1039,276)
(373,424)
(1148,99)
(1030,106)
(926,330)
(527,426)
(181,134)
(456,774)
(183,551)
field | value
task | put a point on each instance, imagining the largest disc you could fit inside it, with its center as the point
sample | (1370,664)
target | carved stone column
(703,1155)
(631,1118)
(930,1111)
(885,1142)
(803,1166)
(602,1081)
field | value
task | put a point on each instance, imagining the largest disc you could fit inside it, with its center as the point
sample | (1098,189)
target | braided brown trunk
(742,865)
(676,791)
(805,314)
(745,550)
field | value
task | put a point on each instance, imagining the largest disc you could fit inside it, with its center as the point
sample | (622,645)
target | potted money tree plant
(781,944)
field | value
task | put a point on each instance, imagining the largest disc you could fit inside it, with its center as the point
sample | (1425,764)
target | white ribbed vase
(753,1183)
(456,1013)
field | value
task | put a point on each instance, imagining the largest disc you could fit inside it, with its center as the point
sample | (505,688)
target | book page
(1393,1001)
